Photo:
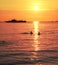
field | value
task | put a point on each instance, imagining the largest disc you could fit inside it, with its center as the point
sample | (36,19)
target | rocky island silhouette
(16,21)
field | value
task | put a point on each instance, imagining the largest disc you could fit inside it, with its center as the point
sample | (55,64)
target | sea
(19,47)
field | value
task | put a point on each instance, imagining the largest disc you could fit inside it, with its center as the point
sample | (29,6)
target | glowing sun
(36,8)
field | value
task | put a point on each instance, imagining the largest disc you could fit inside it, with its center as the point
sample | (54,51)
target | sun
(36,8)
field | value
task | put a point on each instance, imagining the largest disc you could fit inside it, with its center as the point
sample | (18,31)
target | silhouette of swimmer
(31,32)
(27,32)
(38,33)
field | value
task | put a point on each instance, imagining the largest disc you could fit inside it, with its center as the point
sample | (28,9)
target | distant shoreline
(24,21)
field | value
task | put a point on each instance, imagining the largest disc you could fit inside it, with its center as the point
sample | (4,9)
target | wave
(30,60)
(28,57)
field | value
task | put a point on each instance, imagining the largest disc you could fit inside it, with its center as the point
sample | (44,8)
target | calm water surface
(17,48)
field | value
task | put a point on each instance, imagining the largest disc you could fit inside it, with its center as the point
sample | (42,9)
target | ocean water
(18,47)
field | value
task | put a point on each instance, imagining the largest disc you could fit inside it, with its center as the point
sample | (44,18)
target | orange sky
(24,9)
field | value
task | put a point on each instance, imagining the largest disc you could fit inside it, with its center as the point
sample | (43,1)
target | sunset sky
(30,10)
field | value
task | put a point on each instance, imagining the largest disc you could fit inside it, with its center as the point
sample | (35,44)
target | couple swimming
(30,33)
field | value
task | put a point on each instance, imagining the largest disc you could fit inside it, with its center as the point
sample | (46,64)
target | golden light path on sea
(36,36)
(36,41)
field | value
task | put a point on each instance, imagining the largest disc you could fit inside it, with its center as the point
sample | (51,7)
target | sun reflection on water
(36,30)
(36,42)
(35,27)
